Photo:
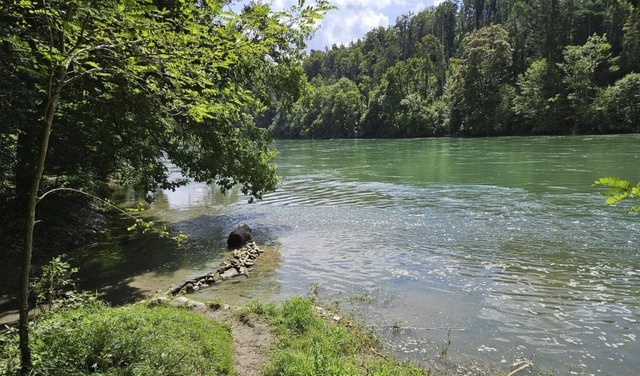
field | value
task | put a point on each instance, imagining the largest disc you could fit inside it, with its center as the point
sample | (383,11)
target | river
(501,240)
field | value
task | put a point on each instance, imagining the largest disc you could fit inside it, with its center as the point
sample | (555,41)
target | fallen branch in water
(522,367)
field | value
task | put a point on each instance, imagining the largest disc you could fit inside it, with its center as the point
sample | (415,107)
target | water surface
(502,240)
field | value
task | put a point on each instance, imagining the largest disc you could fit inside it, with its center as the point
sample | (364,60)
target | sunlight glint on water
(502,240)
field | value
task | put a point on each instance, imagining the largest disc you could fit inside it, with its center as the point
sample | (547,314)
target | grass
(312,345)
(131,340)
(164,340)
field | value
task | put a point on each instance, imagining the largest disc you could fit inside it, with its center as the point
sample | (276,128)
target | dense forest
(477,68)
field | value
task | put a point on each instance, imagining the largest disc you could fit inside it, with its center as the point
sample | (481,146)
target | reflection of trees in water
(125,266)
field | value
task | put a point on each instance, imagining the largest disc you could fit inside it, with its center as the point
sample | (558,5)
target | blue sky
(351,19)
(354,18)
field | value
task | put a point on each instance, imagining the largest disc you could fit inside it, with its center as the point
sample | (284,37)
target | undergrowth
(132,340)
(309,344)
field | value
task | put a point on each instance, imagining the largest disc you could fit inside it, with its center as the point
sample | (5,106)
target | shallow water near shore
(501,240)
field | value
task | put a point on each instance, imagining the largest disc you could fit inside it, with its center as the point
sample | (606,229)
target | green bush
(297,313)
(312,345)
(620,105)
(134,340)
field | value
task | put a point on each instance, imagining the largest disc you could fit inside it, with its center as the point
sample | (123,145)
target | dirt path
(251,338)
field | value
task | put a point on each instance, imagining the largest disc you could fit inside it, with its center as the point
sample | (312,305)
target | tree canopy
(140,82)
(113,89)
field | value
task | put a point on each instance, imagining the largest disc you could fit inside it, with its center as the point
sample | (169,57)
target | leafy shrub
(134,340)
(298,314)
(310,345)
(621,104)
(52,284)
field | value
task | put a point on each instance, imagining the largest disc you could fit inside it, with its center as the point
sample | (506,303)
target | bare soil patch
(251,338)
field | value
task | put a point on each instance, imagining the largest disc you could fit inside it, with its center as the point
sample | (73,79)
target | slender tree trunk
(32,200)
(24,168)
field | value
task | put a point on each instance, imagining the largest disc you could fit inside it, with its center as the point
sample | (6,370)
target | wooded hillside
(477,68)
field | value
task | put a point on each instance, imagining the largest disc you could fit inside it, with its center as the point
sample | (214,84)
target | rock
(229,274)
(238,262)
(196,305)
(239,237)
(180,301)
(158,300)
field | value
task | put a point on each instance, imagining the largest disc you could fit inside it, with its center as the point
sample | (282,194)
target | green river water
(501,240)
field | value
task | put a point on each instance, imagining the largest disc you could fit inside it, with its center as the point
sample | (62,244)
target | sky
(354,18)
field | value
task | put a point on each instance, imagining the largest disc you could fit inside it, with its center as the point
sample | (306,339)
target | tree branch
(160,231)
(106,202)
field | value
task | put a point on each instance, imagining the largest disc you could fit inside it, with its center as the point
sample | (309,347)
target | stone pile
(237,264)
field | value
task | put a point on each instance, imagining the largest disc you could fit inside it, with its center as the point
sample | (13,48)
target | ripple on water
(506,244)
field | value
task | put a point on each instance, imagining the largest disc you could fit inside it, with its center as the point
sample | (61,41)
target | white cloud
(367,4)
(354,18)
(342,27)
(419,7)
(281,4)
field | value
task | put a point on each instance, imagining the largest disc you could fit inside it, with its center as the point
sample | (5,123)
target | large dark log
(239,237)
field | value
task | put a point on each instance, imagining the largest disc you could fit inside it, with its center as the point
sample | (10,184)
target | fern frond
(613,182)
(616,198)
(612,192)
(619,189)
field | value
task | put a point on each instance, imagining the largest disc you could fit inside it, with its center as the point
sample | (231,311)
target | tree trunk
(24,167)
(32,200)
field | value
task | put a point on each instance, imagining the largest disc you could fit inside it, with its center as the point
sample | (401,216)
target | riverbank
(186,337)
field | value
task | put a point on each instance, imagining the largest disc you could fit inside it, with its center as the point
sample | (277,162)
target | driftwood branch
(522,367)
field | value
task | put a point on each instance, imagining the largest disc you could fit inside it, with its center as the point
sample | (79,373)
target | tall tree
(477,86)
(445,26)
(587,68)
(333,111)
(551,27)
(538,101)
(620,105)
(631,40)
(380,49)
(521,30)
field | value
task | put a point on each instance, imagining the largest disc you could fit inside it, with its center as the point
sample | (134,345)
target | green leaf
(616,198)
(613,182)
